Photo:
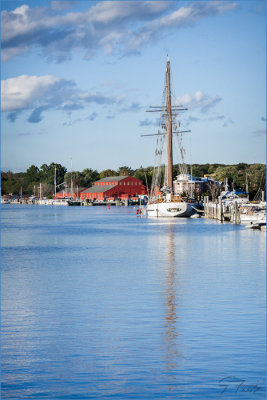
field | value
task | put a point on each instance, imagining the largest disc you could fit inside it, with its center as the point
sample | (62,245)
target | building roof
(186,177)
(112,178)
(67,190)
(99,189)
(233,193)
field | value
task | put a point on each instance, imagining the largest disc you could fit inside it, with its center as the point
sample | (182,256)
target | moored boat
(169,207)
(163,200)
(74,202)
(5,200)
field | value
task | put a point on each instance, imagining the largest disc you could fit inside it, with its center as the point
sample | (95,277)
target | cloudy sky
(78,77)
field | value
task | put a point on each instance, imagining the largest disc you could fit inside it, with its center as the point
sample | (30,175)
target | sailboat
(72,201)
(163,200)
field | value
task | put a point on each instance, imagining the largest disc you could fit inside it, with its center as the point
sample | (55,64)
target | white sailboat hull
(170,209)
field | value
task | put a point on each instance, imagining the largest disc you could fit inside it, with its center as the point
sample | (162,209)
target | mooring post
(205,206)
(236,212)
(220,209)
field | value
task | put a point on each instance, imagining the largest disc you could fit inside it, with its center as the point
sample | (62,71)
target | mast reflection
(170,333)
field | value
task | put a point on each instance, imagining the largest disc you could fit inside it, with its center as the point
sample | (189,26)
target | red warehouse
(67,193)
(114,186)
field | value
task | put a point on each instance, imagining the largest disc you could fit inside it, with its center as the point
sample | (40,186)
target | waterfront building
(120,187)
(76,194)
(186,183)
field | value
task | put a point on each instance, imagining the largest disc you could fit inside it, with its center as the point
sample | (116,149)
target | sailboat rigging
(163,200)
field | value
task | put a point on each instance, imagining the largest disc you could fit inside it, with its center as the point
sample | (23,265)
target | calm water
(102,304)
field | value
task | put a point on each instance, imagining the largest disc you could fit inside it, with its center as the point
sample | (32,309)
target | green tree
(125,171)
(44,173)
(237,174)
(106,173)
(47,173)
(60,172)
(10,183)
(47,190)
(256,178)
(89,177)
(86,178)
(32,174)
(145,175)
(76,177)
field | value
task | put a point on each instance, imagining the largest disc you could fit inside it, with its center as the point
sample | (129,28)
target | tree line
(238,175)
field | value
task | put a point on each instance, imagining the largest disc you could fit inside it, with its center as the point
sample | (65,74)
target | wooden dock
(231,212)
(216,210)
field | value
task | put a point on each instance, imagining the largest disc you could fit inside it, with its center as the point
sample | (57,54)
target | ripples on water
(100,304)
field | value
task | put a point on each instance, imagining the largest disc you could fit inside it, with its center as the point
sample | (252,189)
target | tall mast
(71,183)
(246,183)
(55,181)
(169,126)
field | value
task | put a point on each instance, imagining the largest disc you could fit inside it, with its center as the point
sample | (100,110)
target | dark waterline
(102,304)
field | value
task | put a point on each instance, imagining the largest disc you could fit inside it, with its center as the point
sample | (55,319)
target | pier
(252,214)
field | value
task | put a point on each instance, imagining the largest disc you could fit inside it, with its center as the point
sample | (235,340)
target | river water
(103,304)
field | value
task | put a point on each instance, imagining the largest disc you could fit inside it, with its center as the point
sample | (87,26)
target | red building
(67,193)
(114,187)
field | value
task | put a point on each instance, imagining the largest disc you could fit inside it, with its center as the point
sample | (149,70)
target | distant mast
(55,181)
(71,183)
(169,127)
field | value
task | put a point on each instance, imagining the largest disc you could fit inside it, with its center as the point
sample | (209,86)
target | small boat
(60,202)
(195,216)
(74,203)
(5,200)
(257,225)
(141,211)
(252,214)
(238,196)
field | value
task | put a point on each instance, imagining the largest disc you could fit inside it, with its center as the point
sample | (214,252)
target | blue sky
(78,76)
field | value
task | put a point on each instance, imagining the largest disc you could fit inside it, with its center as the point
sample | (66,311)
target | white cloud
(21,92)
(113,25)
(42,93)
(198,100)
(107,12)
(183,16)
(195,11)
(110,41)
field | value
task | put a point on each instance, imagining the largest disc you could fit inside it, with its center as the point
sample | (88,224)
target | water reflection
(171,317)
(85,320)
